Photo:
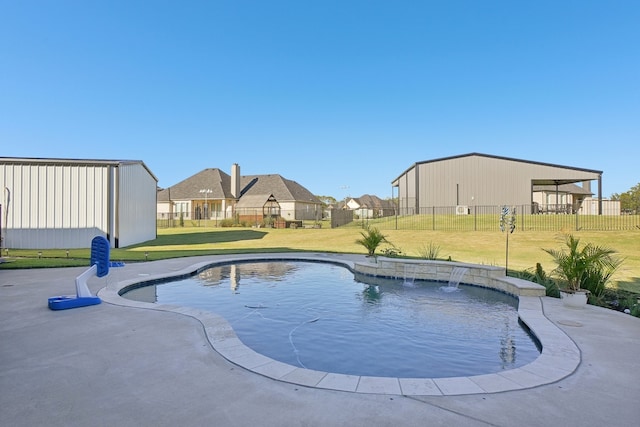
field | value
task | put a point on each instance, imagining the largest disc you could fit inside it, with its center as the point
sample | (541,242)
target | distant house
(590,206)
(369,206)
(563,198)
(258,199)
(258,209)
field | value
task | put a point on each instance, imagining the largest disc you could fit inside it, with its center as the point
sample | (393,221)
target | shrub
(597,277)
(268,222)
(430,251)
(539,276)
(589,267)
(371,239)
(391,252)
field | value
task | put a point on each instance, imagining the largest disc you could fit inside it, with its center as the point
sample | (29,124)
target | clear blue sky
(341,96)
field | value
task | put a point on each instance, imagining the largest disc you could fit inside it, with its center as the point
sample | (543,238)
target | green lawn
(481,247)
(489,222)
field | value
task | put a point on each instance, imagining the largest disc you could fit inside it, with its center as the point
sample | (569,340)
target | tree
(630,200)
(327,200)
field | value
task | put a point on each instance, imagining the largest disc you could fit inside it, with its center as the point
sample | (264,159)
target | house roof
(371,201)
(284,190)
(563,188)
(253,201)
(208,179)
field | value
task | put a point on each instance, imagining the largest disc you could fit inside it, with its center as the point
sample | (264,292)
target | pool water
(320,316)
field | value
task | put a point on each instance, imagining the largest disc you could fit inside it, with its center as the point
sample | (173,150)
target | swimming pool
(320,316)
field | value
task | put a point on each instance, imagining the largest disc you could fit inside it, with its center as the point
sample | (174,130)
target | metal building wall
(53,205)
(472,181)
(406,184)
(136,206)
(477,180)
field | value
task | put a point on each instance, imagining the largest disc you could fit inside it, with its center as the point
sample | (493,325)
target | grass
(488,222)
(479,247)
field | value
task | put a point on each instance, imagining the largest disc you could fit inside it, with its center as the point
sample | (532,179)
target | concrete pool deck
(117,364)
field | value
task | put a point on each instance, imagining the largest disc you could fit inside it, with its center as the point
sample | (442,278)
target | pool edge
(559,358)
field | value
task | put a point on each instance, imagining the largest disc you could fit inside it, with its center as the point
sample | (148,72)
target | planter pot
(574,299)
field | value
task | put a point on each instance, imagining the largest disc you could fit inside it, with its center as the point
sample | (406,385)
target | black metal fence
(449,218)
(487,218)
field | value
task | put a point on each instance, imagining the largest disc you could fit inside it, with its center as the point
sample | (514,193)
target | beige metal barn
(65,203)
(476,179)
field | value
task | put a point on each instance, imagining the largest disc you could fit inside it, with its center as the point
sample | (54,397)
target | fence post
(507,223)
(475,218)
(433,218)
(396,212)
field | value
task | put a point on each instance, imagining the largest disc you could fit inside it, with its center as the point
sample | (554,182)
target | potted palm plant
(582,271)
(371,239)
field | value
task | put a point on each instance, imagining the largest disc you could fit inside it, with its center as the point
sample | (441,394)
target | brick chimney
(235,181)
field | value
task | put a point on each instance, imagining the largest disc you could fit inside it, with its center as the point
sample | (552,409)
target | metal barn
(483,180)
(64,203)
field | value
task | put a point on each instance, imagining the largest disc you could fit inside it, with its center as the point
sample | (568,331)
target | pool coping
(559,358)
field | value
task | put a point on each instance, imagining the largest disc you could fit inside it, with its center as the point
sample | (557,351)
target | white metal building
(65,203)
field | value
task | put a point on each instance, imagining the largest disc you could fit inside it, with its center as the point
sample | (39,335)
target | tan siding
(410,186)
(480,181)
(407,191)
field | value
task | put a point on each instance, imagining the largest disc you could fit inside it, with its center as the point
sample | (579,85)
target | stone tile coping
(478,275)
(559,357)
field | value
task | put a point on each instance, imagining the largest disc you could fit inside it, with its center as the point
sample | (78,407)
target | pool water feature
(456,276)
(320,316)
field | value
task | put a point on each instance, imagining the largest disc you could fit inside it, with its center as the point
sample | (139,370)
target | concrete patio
(114,364)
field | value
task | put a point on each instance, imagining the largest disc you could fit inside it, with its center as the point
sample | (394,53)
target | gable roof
(254,201)
(284,190)
(208,179)
(372,201)
(510,159)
